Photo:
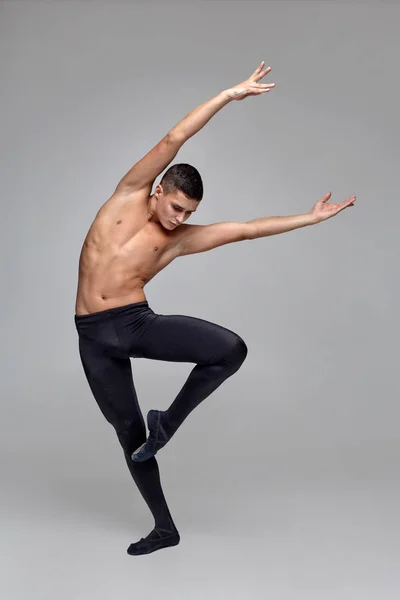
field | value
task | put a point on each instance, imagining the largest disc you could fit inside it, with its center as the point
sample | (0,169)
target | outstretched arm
(144,172)
(199,238)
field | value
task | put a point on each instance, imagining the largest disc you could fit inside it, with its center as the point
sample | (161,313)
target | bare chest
(147,249)
(129,245)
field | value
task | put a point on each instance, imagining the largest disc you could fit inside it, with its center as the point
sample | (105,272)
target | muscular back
(122,252)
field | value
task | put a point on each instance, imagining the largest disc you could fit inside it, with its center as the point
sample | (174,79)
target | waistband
(117,310)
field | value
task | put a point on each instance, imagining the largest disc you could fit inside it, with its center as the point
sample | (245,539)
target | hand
(250,87)
(322,211)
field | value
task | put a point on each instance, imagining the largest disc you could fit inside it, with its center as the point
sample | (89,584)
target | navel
(103,297)
(119,222)
(155,247)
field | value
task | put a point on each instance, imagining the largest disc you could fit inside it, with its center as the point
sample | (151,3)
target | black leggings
(107,340)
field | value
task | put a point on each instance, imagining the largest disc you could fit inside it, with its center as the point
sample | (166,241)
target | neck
(151,210)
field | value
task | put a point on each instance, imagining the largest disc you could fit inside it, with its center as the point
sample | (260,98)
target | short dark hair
(185,178)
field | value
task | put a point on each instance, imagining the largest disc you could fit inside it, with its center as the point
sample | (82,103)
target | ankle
(165,523)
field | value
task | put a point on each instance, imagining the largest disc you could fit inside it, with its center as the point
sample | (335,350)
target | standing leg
(111,382)
(218,352)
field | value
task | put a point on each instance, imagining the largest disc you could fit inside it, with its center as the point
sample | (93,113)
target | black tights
(107,340)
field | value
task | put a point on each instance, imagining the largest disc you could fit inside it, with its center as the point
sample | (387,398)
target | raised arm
(144,172)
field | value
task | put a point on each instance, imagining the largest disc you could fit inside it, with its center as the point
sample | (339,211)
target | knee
(131,434)
(238,351)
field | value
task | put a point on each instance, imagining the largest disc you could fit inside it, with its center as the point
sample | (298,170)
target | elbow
(250,231)
(175,137)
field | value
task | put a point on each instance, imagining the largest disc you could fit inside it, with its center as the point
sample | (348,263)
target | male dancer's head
(176,197)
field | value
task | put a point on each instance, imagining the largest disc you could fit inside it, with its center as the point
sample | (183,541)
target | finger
(263,74)
(266,85)
(267,70)
(260,66)
(346,203)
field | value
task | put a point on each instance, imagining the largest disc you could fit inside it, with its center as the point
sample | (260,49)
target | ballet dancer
(135,235)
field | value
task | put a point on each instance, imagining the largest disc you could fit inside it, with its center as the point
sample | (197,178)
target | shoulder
(126,197)
(181,234)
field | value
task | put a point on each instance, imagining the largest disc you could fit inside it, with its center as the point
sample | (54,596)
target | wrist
(227,95)
(312,219)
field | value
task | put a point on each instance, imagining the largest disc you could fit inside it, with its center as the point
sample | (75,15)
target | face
(174,209)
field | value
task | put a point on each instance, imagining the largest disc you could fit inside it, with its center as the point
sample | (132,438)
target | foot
(156,440)
(157,539)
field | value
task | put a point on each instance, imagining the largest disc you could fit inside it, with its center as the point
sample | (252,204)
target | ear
(158,191)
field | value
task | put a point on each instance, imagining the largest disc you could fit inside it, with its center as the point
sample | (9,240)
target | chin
(167,225)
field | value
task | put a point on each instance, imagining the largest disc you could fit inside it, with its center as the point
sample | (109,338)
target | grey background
(308,506)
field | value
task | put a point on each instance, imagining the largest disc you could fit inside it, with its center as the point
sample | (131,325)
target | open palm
(322,211)
(251,87)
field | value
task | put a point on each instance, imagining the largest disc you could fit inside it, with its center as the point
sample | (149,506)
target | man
(134,236)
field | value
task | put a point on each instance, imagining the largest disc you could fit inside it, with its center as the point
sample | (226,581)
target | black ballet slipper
(156,440)
(156,540)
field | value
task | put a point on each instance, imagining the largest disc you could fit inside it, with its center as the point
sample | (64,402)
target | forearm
(265,226)
(196,119)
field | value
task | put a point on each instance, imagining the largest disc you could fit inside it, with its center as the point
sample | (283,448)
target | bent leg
(218,352)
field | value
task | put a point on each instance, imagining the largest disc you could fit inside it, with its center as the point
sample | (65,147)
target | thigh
(182,338)
(111,382)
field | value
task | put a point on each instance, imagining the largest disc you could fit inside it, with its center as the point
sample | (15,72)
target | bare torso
(122,252)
